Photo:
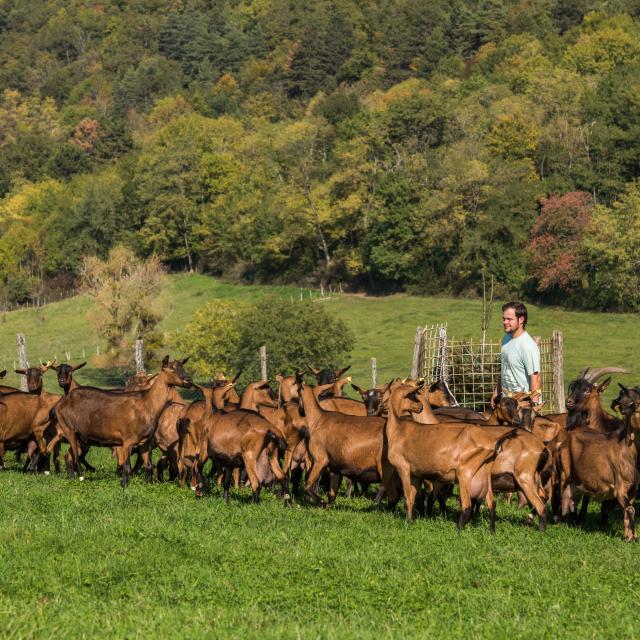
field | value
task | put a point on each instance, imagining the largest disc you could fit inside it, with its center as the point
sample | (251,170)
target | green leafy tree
(294,333)
(212,338)
(227,337)
(610,250)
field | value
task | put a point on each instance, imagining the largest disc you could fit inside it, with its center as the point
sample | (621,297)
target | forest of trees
(384,144)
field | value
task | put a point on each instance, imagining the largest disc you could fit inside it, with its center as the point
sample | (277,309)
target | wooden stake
(263,362)
(139,356)
(558,370)
(415,361)
(22,359)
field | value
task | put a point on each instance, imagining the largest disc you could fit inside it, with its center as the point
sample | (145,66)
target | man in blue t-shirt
(520,356)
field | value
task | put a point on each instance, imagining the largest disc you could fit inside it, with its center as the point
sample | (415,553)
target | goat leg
(83,460)
(583,509)
(160,468)
(226,482)
(280,476)
(625,496)
(124,461)
(410,486)
(531,494)
(430,502)
(68,459)
(605,509)
(310,488)
(56,456)
(420,501)
(334,487)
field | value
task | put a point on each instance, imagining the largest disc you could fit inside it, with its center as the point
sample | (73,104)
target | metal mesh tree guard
(471,368)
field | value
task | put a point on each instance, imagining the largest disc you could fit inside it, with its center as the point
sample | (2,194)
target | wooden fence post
(415,361)
(374,372)
(263,362)
(139,356)
(444,356)
(22,359)
(558,369)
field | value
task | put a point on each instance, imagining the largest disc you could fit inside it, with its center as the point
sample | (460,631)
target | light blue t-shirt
(520,357)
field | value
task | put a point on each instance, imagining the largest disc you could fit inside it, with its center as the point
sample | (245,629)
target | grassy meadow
(87,559)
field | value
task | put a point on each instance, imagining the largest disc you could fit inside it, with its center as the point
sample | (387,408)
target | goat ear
(313,370)
(619,384)
(279,377)
(185,360)
(339,372)
(22,372)
(3,373)
(604,385)
(78,366)
(358,389)
(165,362)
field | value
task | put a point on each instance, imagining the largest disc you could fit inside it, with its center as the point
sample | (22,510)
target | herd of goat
(409,437)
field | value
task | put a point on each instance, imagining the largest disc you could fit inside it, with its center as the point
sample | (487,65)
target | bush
(226,337)
(212,338)
(16,289)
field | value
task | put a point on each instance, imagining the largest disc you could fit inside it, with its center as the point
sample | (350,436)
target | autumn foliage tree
(554,252)
(125,290)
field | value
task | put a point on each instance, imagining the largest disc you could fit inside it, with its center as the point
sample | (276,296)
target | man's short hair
(519,308)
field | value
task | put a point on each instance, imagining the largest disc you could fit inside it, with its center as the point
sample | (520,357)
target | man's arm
(535,384)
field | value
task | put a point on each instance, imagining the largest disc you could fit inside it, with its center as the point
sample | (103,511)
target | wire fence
(471,368)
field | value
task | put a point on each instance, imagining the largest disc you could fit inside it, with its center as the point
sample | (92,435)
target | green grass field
(87,559)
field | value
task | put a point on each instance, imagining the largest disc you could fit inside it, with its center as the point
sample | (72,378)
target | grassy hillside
(384,327)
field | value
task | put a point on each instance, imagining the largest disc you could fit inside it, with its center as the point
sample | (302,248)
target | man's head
(514,317)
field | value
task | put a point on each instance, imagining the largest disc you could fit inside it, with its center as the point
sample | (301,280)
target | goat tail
(272,436)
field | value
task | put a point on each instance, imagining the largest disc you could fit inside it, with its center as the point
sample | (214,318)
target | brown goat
(288,390)
(347,445)
(237,439)
(374,399)
(91,416)
(605,465)
(443,452)
(25,415)
(192,423)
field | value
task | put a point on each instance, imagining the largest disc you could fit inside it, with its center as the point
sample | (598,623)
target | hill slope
(384,327)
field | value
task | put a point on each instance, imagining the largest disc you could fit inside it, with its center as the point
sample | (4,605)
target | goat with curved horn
(591,375)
